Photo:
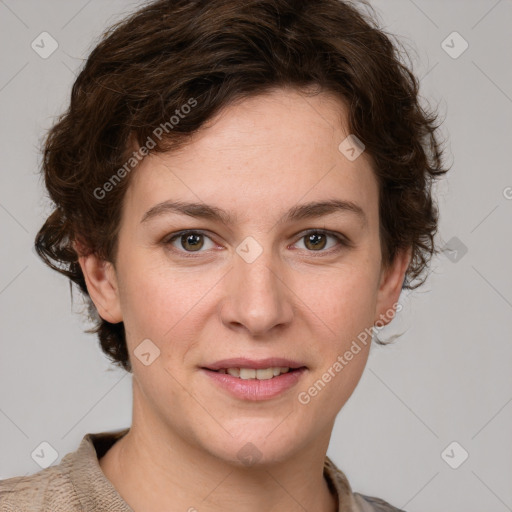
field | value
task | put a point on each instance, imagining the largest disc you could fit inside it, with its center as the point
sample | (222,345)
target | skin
(257,159)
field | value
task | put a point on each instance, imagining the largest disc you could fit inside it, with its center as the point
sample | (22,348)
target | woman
(242,190)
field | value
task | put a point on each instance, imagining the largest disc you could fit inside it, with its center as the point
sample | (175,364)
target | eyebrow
(298,212)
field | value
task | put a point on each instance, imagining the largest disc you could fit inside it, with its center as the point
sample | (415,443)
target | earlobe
(390,287)
(100,278)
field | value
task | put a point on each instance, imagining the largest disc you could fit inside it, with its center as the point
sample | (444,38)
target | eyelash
(342,242)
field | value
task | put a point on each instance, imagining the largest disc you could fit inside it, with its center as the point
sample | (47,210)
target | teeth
(264,374)
(252,373)
(247,373)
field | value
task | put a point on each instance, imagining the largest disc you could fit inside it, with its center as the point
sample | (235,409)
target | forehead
(266,154)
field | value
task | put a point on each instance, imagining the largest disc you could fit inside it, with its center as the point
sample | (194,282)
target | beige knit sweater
(77,484)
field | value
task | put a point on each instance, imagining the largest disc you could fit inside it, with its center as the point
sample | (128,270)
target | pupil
(192,240)
(314,239)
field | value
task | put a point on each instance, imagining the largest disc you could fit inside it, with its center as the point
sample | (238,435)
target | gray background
(447,379)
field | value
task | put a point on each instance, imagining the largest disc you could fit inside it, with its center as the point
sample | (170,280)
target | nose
(258,299)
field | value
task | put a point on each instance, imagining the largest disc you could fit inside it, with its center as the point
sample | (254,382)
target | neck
(155,468)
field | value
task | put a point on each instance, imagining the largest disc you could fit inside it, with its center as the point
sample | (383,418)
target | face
(269,278)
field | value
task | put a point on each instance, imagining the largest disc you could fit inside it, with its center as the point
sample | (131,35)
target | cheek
(158,302)
(342,343)
(344,299)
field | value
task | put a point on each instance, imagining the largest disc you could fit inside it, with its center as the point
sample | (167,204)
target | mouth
(255,379)
(256,373)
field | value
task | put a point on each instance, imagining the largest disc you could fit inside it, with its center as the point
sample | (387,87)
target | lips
(250,379)
(254,389)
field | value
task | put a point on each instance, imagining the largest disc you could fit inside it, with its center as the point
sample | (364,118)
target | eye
(190,241)
(315,240)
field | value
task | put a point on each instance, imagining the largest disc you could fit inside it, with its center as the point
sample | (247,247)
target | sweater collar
(93,488)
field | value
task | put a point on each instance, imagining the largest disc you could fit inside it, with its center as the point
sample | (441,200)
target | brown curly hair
(171,53)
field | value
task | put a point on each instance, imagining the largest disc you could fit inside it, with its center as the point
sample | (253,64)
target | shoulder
(75,484)
(356,502)
(373,504)
(49,489)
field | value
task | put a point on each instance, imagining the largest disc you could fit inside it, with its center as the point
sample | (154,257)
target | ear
(101,280)
(390,286)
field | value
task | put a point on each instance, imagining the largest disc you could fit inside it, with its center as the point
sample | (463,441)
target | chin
(251,446)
